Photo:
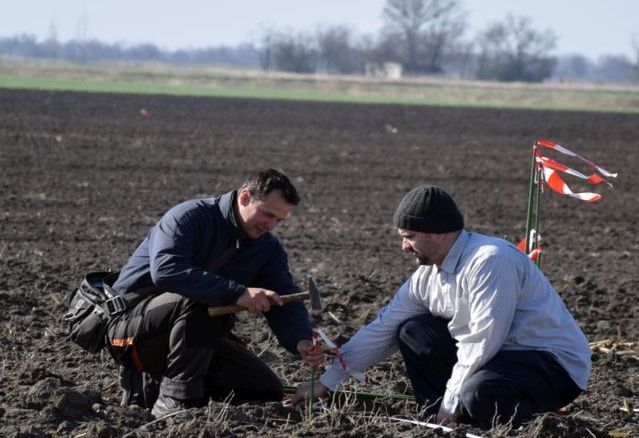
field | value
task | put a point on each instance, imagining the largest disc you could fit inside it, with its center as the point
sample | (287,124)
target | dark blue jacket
(176,252)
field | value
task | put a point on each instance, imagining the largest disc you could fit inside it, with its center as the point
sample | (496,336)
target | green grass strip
(449,95)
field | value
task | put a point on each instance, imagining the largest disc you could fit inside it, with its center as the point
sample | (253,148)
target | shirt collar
(451,261)
(227,207)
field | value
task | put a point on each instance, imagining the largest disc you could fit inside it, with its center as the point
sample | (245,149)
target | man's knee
(422,334)
(406,334)
(475,396)
(171,322)
(198,319)
(192,322)
(238,370)
(489,402)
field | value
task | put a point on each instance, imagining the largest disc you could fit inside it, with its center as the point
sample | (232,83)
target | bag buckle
(115,305)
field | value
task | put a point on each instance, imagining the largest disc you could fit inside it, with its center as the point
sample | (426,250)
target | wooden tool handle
(225,310)
(234,308)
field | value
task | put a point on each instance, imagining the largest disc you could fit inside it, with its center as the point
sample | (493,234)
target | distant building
(387,70)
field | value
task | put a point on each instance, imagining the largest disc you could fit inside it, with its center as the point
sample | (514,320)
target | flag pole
(536,245)
(532,193)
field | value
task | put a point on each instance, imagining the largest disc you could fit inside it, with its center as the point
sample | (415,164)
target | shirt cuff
(333,376)
(235,291)
(450,403)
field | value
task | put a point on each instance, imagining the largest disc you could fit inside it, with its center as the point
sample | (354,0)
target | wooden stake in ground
(311,392)
(533,220)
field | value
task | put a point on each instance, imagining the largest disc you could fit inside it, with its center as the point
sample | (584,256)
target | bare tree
(635,49)
(515,50)
(288,51)
(441,39)
(82,38)
(284,50)
(335,49)
(615,68)
(421,31)
(460,60)
(574,68)
(265,45)
(52,46)
(295,53)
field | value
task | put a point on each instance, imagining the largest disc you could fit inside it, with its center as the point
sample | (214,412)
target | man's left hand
(312,355)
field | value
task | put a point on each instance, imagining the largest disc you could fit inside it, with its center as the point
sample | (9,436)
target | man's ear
(244,197)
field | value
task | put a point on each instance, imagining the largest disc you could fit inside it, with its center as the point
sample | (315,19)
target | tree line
(421,36)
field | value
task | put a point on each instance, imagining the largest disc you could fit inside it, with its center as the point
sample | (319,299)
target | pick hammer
(312,294)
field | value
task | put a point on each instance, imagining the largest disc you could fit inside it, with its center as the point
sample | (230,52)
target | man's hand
(302,393)
(445,418)
(312,355)
(258,300)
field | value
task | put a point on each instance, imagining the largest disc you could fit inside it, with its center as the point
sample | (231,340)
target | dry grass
(171,79)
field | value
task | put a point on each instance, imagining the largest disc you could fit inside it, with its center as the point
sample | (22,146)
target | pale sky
(588,27)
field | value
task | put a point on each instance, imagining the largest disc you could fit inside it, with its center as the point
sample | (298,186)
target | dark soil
(83,176)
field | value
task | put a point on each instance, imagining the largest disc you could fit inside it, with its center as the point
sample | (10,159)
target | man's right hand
(258,300)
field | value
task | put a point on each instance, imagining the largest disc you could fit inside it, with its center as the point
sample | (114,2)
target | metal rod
(311,395)
(537,243)
(531,195)
(432,426)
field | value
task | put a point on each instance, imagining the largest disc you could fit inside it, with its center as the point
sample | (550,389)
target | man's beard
(421,259)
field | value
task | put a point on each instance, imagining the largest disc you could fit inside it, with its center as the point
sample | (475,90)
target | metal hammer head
(314,295)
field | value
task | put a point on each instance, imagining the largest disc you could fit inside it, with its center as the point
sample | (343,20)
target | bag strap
(216,264)
(116,303)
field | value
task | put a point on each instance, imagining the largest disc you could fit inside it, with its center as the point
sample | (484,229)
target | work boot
(138,388)
(166,405)
(132,385)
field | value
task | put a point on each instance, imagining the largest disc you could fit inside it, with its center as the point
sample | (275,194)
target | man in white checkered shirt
(484,336)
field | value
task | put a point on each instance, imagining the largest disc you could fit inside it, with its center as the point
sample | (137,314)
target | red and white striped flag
(551,168)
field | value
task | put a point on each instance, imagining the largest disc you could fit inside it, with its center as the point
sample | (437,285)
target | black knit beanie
(428,209)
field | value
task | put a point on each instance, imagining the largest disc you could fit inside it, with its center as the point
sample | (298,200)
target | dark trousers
(192,355)
(512,386)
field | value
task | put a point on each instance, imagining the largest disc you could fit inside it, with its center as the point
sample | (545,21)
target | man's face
(261,216)
(425,246)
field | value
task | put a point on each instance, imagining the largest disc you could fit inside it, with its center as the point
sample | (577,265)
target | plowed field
(83,177)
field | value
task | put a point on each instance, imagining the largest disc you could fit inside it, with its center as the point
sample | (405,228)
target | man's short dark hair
(266,181)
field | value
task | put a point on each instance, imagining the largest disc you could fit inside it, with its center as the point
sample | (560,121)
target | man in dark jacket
(208,252)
